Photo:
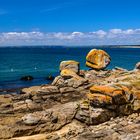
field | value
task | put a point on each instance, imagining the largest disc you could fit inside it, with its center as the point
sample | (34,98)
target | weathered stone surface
(99,100)
(48,89)
(59,82)
(91,115)
(115,129)
(67,89)
(100,115)
(136,105)
(97,59)
(75,83)
(33,89)
(117,94)
(69,78)
(31,119)
(137,67)
(34,137)
(70,65)
(66,73)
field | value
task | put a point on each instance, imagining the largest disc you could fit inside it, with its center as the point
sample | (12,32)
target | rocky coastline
(79,104)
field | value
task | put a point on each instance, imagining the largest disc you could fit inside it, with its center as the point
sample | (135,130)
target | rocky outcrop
(70,65)
(97,59)
(103,104)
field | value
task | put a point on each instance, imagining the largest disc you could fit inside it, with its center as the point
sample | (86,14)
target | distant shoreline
(75,46)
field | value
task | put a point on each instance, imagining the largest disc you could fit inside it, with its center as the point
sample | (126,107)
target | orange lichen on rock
(102,89)
(97,59)
(71,65)
(99,99)
(116,93)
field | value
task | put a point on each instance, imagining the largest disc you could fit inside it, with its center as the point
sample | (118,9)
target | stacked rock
(69,75)
(70,65)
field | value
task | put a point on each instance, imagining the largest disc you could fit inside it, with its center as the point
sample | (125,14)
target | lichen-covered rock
(66,73)
(97,59)
(117,94)
(99,99)
(70,65)
(72,79)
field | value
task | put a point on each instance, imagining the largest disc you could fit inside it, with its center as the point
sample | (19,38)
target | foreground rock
(97,59)
(84,105)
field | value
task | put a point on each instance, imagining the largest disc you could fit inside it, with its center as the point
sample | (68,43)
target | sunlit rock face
(70,65)
(97,59)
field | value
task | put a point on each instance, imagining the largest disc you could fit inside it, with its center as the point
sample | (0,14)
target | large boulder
(70,65)
(97,59)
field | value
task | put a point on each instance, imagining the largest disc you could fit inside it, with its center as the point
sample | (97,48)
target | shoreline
(80,46)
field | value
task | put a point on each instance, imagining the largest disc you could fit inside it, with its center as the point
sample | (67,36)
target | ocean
(41,62)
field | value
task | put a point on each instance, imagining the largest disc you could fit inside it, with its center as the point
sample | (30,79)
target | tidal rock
(70,65)
(50,78)
(97,59)
(27,78)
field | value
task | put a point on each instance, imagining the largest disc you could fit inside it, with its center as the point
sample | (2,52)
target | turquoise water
(43,61)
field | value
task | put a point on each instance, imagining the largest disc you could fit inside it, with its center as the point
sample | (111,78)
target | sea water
(41,62)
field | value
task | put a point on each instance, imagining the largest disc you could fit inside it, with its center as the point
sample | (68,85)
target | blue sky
(69,22)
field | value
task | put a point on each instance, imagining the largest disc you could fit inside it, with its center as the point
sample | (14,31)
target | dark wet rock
(50,78)
(27,78)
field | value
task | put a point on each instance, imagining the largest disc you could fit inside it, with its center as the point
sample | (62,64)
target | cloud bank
(100,37)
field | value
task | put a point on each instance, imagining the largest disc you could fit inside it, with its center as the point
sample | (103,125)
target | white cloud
(100,37)
(116,31)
